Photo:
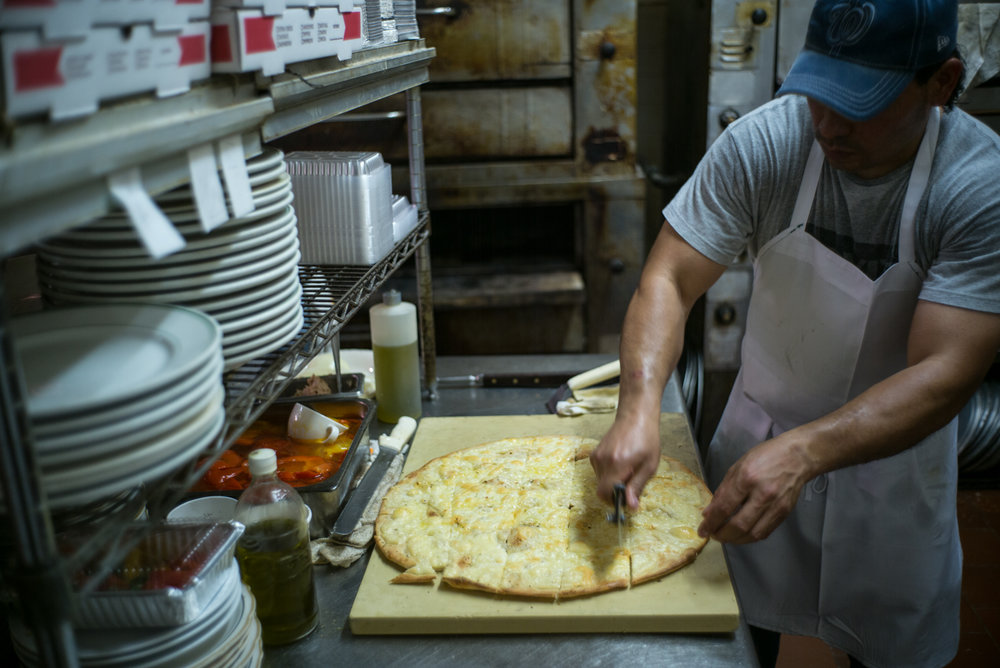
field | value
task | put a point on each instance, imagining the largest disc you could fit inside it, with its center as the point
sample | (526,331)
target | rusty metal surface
(498,122)
(499,39)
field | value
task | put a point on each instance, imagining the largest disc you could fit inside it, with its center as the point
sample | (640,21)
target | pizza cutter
(618,515)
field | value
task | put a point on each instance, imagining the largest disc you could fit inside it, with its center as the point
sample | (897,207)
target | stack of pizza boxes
(62,58)
(268,35)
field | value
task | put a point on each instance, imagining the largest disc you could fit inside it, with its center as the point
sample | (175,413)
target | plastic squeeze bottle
(396,358)
(273,552)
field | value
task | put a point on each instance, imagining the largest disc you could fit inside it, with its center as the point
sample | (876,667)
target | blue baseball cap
(859,55)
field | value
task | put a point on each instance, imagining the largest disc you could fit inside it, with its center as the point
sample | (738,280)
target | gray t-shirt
(743,192)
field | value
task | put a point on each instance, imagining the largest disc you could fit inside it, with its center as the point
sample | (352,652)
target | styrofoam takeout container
(343,201)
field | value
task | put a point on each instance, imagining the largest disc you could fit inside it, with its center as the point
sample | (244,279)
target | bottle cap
(391,297)
(262,461)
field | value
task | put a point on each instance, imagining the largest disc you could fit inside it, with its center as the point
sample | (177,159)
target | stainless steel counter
(333,644)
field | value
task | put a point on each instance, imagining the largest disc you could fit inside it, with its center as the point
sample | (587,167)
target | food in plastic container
(166,579)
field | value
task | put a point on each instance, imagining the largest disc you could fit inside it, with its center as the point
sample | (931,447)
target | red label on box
(352,25)
(221,50)
(192,49)
(259,32)
(37,69)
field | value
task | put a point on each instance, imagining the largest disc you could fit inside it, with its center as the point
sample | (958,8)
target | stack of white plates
(979,431)
(226,634)
(243,273)
(118,394)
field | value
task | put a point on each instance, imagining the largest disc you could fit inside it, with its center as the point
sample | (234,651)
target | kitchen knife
(582,380)
(389,445)
(618,515)
(554,379)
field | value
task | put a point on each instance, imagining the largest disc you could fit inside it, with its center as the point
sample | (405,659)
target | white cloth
(327,551)
(869,559)
(590,400)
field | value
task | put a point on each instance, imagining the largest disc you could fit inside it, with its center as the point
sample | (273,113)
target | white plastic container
(397,363)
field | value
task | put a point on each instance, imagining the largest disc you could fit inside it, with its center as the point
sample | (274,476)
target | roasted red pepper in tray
(303,469)
(300,463)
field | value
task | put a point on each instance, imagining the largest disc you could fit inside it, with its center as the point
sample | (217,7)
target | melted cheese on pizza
(521,517)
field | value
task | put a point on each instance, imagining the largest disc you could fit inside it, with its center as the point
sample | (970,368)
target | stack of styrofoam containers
(404,217)
(343,201)
(405,12)
(387,10)
(268,35)
(373,23)
(64,58)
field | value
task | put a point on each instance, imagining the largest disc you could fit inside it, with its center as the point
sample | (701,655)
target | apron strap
(918,183)
(807,186)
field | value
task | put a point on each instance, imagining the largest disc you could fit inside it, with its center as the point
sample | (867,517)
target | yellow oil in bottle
(397,381)
(276,563)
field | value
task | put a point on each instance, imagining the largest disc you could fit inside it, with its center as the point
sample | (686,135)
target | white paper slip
(157,234)
(205,186)
(234,173)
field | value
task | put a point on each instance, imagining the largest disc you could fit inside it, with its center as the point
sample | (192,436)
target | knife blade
(618,515)
(548,379)
(583,380)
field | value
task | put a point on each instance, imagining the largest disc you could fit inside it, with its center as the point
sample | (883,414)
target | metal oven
(537,202)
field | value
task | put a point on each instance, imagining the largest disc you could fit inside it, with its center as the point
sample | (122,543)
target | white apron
(869,560)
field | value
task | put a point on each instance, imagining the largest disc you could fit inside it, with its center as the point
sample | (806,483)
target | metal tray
(324,498)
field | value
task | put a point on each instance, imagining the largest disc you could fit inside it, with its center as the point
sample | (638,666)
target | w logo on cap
(849,22)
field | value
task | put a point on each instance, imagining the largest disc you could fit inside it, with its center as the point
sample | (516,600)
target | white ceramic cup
(204,509)
(308,425)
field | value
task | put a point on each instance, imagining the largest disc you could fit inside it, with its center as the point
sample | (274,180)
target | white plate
(235,649)
(131,254)
(264,298)
(98,469)
(87,358)
(198,297)
(114,479)
(244,353)
(137,647)
(238,304)
(145,428)
(184,217)
(260,183)
(212,246)
(133,288)
(183,207)
(126,233)
(264,326)
(218,259)
(267,311)
(198,382)
(267,158)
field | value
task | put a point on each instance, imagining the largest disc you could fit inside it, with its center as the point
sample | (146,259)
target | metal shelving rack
(53,177)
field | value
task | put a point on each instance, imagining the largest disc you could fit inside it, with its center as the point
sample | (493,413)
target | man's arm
(949,351)
(674,277)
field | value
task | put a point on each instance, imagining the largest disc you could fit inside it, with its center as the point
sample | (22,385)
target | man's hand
(757,494)
(628,453)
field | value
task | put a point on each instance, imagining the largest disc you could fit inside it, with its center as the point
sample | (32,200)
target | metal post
(418,194)
(43,588)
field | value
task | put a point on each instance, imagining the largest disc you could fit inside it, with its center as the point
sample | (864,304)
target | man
(873,318)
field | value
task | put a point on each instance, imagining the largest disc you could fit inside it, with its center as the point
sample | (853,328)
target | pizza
(521,516)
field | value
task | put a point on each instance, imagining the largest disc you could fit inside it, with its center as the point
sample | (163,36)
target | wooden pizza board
(697,598)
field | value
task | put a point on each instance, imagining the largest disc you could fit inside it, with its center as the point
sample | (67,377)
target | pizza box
(699,598)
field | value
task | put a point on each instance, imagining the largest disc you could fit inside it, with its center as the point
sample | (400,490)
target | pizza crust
(521,517)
